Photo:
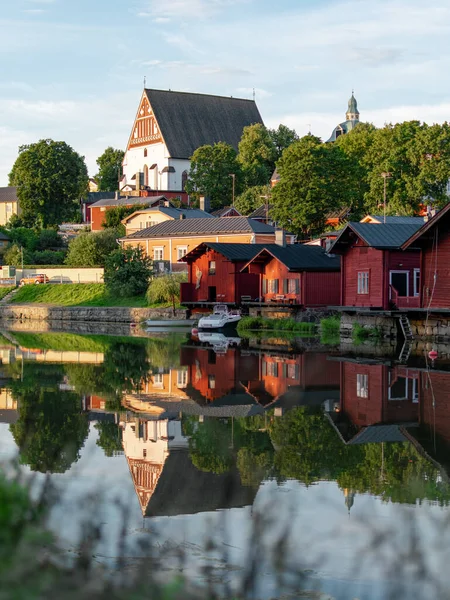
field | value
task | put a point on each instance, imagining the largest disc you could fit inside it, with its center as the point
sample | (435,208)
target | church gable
(145,128)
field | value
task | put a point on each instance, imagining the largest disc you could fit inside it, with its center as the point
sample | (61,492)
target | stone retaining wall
(88,314)
(387,325)
(435,327)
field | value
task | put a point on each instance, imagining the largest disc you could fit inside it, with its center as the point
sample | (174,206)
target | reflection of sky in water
(320,532)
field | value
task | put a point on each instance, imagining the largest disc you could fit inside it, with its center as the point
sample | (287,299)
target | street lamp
(385,176)
(233,177)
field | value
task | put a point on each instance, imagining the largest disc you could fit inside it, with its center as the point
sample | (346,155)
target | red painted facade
(435,404)
(224,283)
(436,272)
(361,259)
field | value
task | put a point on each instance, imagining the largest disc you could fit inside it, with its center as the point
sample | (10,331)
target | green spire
(352,111)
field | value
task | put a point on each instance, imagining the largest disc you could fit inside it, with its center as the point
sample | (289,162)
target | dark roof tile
(127,200)
(203,119)
(382,236)
(8,194)
(299,257)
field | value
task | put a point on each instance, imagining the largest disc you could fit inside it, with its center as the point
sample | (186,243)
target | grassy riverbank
(75,294)
(247,324)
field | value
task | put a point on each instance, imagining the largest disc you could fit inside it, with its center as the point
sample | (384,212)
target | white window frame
(407,279)
(158,380)
(156,250)
(362,385)
(182,378)
(181,251)
(211,382)
(416,282)
(363,283)
(415,391)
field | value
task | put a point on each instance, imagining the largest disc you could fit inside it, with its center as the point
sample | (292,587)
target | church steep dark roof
(188,120)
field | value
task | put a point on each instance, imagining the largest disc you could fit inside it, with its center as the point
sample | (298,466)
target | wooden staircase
(405,352)
(405,326)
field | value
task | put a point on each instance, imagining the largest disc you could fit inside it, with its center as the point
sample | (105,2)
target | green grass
(361,334)
(262,324)
(330,331)
(74,294)
(4,291)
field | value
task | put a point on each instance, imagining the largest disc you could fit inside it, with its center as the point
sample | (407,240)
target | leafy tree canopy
(50,178)
(115,215)
(257,155)
(128,271)
(166,288)
(109,437)
(209,175)
(282,138)
(109,169)
(252,198)
(90,249)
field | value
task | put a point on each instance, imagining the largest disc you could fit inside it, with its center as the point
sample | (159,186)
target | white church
(169,127)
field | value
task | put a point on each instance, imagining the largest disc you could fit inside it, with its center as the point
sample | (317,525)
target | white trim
(416,290)
(399,271)
(157,248)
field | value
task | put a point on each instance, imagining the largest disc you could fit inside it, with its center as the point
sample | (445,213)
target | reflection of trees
(50,430)
(109,437)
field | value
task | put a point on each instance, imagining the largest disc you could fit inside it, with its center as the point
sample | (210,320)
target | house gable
(145,128)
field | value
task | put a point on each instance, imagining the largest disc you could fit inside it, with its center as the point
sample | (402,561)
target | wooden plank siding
(436,293)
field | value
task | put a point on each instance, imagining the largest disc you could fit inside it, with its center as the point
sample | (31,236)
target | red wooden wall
(438,261)
(404,261)
(363,258)
(435,403)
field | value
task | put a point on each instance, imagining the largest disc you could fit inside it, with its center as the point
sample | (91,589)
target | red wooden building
(99,208)
(296,274)
(214,273)
(375,271)
(433,238)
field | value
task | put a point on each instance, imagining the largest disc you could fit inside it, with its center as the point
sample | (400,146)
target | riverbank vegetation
(361,334)
(247,324)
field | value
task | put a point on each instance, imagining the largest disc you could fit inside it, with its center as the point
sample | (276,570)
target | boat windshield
(220,309)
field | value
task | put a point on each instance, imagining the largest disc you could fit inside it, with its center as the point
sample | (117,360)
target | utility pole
(233,177)
(385,175)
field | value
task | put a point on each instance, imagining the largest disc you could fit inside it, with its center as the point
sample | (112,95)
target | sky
(74,71)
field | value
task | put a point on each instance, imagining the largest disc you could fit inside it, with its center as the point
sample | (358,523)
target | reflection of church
(351,120)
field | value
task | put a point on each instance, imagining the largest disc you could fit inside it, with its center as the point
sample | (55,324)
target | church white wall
(135,161)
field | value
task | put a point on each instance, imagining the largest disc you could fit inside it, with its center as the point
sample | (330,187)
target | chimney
(167,203)
(280,237)
(182,216)
(116,195)
(138,182)
(205,203)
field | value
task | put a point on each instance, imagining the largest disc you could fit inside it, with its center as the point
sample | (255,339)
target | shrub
(166,288)
(91,249)
(49,239)
(360,333)
(331,325)
(15,254)
(127,272)
(48,257)
(258,323)
(113,216)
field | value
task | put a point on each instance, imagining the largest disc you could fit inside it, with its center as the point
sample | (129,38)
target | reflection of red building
(377,395)
(435,404)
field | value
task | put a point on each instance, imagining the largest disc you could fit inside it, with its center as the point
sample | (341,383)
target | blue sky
(74,71)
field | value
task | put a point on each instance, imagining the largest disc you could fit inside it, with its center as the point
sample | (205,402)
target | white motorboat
(218,341)
(220,317)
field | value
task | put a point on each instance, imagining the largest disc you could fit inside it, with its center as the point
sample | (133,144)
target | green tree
(109,437)
(257,154)
(14,255)
(252,198)
(282,138)
(209,175)
(166,288)
(109,169)
(128,271)
(316,178)
(50,178)
(51,429)
(114,216)
(90,249)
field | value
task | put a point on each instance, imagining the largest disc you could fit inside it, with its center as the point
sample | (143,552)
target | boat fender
(432,354)
(194,331)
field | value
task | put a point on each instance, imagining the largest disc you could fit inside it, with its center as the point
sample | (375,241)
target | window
(182,378)
(212,267)
(181,251)
(145,151)
(272,369)
(158,380)
(362,385)
(184,178)
(144,453)
(293,371)
(158,253)
(415,391)
(272,286)
(363,282)
(398,389)
(293,286)
(416,282)
(211,382)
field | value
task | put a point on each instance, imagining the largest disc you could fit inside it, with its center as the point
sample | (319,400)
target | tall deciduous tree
(90,249)
(315,179)
(50,178)
(257,154)
(209,175)
(109,169)
(282,138)
(252,199)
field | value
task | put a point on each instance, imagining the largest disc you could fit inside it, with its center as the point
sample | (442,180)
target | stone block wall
(387,325)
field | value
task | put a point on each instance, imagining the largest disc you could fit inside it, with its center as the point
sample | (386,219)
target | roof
(222,212)
(188,213)
(345,126)
(400,220)
(299,257)
(96,196)
(3,236)
(233,252)
(128,201)
(8,194)
(353,106)
(202,119)
(427,226)
(275,176)
(375,434)
(382,236)
(261,212)
(341,213)
(218,225)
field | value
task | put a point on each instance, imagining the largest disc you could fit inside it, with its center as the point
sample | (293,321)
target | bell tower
(352,113)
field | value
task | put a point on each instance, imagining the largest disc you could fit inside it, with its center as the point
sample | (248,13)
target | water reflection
(204,425)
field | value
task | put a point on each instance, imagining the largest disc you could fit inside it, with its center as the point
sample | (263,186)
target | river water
(326,472)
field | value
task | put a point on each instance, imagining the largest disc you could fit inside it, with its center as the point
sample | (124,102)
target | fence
(64,275)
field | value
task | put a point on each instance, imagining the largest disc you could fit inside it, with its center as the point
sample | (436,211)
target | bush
(127,272)
(49,239)
(331,325)
(114,216)
(48,257)
(91,249)
(15,254)
(360,333)
(258,323)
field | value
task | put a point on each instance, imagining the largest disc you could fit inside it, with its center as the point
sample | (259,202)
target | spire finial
(145,81)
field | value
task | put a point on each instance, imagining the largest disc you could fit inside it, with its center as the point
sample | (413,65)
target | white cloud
(34,11)
(187,9)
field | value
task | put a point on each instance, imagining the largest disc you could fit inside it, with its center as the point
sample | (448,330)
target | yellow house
(9,204)
(395,219)
(168,242)
(148,217)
